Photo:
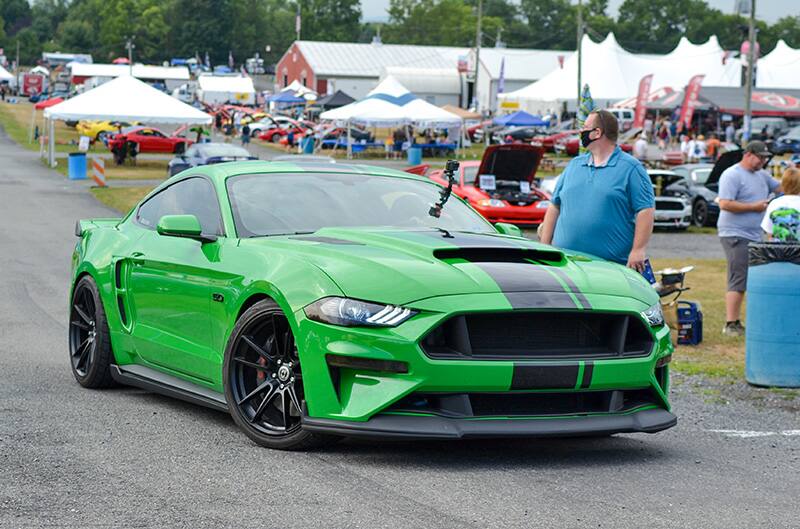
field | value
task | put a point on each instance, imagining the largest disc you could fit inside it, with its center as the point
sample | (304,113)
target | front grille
(525,404)
(669,205)
(539,335)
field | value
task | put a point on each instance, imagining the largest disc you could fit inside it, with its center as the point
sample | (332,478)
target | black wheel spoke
(287,407)
(85,317)
(248,363)
(261,352)
(84,356)
(275,336)
(81,346)
(80,325)
(261,387)
(286,338)
(293,396)
(268,398)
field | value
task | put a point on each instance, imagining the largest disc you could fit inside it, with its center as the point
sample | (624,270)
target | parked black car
(702,192)
(524,134)
(788,143)
(207,154)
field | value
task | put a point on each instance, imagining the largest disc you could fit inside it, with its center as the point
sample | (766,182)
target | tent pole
(349,146)
(51,143)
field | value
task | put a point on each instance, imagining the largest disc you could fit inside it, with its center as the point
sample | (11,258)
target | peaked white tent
(613,73)
(390,104)
(123,99)
(5,75)
(780,68)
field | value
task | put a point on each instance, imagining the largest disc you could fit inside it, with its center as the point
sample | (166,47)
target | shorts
(736,254)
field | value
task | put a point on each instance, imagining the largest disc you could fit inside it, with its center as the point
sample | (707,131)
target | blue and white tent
(391,104)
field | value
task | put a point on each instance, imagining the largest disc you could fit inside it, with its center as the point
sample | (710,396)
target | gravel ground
(74,458)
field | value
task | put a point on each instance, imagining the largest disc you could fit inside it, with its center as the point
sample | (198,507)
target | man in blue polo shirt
(603,203)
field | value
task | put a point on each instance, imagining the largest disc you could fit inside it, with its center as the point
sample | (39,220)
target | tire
(101,136)
(258,398)
(90,350)
(275,138)
(700,213)
(180,148)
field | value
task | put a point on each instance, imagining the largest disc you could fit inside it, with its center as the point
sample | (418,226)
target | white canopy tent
(300,91)
(780,68)
(5,75)
(122,99)
(613,73)
(390,104)
(216,89)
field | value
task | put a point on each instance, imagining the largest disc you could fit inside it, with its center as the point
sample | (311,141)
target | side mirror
(508,229)
(186,226)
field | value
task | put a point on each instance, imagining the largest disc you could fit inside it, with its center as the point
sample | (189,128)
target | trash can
(77,166)
(308,145)
(772,343)
(414,155)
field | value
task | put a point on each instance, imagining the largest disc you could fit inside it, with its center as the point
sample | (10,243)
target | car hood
(514,162)
(400,267)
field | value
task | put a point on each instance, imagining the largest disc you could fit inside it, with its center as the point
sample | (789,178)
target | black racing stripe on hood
(544,377)
(540,300)
(521,277)
(328,240)
(572,286)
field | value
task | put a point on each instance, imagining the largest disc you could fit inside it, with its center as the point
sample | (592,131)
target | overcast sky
(769,10)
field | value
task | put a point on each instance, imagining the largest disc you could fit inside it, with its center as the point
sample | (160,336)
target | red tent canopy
(48,103)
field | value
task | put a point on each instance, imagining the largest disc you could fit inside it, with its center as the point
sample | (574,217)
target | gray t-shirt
(741,185)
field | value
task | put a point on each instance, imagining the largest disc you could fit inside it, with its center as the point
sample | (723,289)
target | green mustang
(315,301)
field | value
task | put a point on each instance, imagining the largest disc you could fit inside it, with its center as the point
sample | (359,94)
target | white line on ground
(744,434)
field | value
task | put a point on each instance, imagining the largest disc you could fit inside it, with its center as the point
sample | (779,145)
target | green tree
(436,22)
(330,20)
(787,28)
(16,14)
(551,24)
(201,26)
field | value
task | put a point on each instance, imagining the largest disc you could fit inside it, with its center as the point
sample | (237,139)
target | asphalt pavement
(76,458)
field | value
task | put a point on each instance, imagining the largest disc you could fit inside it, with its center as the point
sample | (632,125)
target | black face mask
(585,139)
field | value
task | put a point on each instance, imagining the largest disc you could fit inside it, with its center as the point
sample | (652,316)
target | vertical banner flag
(641,101)
(297,22)
(230,59)
(501,81)
(689,100)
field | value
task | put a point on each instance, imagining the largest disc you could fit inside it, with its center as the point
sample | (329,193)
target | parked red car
(500,186)
(548,141)
(149,139)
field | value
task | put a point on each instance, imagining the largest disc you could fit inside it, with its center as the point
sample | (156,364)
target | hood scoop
(502,255)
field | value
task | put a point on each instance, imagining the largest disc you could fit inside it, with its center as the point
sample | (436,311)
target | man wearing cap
(744,191)
(603,203)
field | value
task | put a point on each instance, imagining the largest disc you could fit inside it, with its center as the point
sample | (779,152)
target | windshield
(794,132)
(700,176)
(282,204)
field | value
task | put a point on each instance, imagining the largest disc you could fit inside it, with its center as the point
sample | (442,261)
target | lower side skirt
(433,427)
(158,382)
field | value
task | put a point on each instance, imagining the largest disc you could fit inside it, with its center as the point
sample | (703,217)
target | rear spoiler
(420,170)
(84,225)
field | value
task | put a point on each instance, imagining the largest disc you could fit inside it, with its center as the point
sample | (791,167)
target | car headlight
(543,204)
(491,202)
(654,315)
(353,313)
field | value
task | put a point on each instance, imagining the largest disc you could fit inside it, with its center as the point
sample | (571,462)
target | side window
(193,196)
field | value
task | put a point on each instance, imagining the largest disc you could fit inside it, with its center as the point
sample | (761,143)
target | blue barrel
(308,145)
(77,166)
(414,155)
(772,355)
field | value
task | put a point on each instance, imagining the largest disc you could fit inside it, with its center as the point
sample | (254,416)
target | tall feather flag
(585,105)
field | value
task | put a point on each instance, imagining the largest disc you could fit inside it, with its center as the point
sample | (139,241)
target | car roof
(692,166)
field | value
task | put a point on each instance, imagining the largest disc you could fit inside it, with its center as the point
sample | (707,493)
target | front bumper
(673,218)
(430,427)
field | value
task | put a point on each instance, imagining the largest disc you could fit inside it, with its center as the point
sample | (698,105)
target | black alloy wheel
(89,341)
(264,381)
(700,213)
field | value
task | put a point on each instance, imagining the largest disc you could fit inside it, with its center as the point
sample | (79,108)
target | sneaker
(733,328)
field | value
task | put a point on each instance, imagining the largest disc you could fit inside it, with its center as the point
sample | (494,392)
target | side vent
(120,281)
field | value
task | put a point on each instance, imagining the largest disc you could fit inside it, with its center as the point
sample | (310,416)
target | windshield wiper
(281,234)
(450,169)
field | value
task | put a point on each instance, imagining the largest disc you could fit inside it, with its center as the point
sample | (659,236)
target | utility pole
(477,55)
(579,46)
(751,58)
(129,45)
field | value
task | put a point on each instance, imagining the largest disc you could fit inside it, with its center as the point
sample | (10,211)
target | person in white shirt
(685,146)
(640,147)
(781,221)
(699,148)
